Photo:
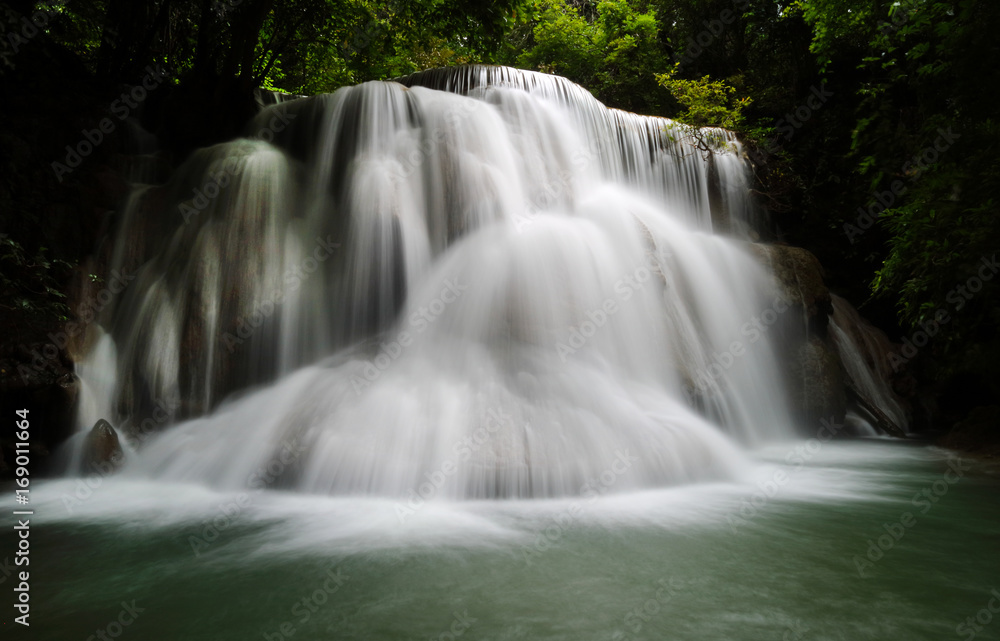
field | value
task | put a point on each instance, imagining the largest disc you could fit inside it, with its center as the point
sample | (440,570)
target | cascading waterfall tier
(663,158)
(478,279)
(867,353)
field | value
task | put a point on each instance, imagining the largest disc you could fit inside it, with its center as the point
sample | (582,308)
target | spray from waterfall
(480,276)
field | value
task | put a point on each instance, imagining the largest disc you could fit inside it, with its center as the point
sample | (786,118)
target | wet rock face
(816,383)
(103,451)
(977,434)
(874,381)
(798,278)
(814,372)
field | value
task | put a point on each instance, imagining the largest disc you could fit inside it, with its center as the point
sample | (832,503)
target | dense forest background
(871,126)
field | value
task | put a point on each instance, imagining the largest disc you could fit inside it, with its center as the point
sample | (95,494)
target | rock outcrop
(977,434)
(867,356)
(102,450)
(816,382)
(799,280)
(815,375)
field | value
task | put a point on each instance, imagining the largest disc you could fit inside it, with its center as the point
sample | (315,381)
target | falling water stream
(416,360)
(401,269)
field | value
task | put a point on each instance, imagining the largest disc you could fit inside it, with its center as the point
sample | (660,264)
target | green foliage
(611,50)
(900,70)
(564,43)
(707,102)
(939,238)
(30,283)
(299,46)
(350,41)
(920,68)
(838,25)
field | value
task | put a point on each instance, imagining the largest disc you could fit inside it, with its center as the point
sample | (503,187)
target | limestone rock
(799,280)
(816,382)
(977,434)
(102,450)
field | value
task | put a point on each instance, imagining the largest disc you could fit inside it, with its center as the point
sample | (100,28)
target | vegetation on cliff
(870,122)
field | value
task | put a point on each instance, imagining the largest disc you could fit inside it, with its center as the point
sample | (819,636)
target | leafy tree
(31,284)
(707,102)
(610,47)
(922,123)
(297,45)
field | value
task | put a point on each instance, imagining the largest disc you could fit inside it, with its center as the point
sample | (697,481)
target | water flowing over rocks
(867,357)
(379,271)
(800,283)
(817,382)
(814,372)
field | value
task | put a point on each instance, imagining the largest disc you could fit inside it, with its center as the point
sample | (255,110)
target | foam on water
(490,286)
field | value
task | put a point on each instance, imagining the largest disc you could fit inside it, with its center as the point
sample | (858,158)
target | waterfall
(865,350)
(477,280)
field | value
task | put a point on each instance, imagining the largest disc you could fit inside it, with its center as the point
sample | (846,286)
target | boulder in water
(102,450)
(977,434)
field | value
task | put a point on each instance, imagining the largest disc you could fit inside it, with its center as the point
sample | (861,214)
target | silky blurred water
(470,356)
(682,563)
(399,267)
